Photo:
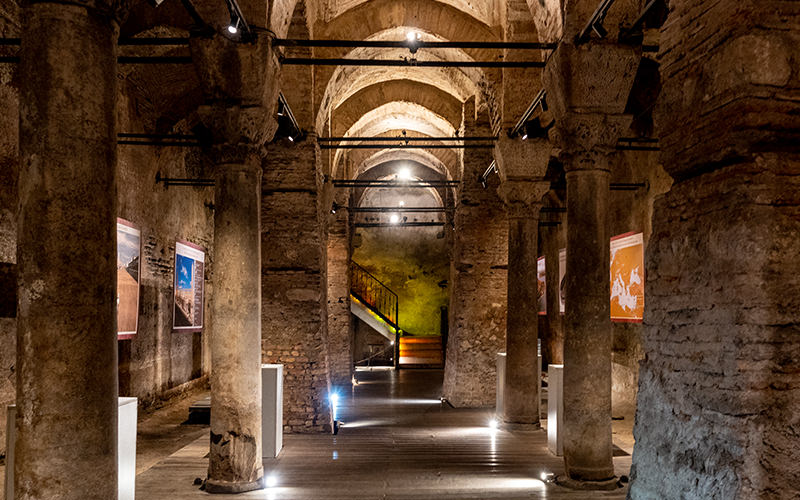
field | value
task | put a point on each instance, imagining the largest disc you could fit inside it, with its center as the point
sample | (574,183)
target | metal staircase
(377,305)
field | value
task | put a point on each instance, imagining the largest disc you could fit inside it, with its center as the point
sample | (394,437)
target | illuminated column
(237,116)
(66,324)
(587,89)
(521,386)
(235,459)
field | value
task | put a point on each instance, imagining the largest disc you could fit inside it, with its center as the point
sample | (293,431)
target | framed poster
(129,251)
(627,277)
(562,271)
(187,311)
(541,285)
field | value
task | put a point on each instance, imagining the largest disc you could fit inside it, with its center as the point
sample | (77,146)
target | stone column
(587,340)
(521,386)
(587,88)
(239,104)
(234,463)
(66,249)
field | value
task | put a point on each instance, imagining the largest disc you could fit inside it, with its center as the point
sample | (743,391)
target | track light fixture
(527,126)
(238,25)
(483,178)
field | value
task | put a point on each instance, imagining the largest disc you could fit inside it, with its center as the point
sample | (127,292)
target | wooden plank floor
(398,442)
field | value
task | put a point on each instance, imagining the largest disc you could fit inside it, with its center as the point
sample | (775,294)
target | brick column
(718,404)
(478,279)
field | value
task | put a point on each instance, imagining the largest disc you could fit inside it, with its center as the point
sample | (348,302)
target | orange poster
(627,277)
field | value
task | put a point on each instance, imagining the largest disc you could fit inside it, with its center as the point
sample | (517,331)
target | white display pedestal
(11,438)
(126,449)
(555,409)
(126,452)
(501,377)
(271,410)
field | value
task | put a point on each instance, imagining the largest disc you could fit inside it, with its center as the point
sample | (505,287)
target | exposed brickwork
(157,361)
(340,328)
(717,412)
(719,389)
(479,281)
(294,284)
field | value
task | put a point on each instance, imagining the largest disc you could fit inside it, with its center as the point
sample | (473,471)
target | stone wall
(294,284)
(158,363)
(478,279)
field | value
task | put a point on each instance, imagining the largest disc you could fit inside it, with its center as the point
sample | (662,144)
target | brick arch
(442,160)
(350,111)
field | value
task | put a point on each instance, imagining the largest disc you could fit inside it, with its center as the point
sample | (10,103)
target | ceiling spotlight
(404,174)
(394,218)
(291,139)
(402,203)
(413,36)
(233,28)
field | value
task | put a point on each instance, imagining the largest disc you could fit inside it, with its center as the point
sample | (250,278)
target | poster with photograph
(541,285)
(189,269)
(562,271)
(129,251)
(627,277)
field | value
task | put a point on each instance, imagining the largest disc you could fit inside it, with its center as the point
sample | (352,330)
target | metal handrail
(374,294)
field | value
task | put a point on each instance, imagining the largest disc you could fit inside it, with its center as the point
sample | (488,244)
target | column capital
(518,158)
(587,141)
(523,196)
(239,81)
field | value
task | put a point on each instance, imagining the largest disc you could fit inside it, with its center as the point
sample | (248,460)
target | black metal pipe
(411,45)
(182,144)
(406,139)
(407,146)
(315,61)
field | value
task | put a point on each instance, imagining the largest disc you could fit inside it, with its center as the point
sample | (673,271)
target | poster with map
(541,285)
(562,271)
(129,250)
(627,277)
(189,269)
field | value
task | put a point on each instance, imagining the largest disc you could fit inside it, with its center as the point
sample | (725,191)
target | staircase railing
(371,292)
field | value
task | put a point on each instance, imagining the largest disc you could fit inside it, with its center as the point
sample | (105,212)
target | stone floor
(397,442)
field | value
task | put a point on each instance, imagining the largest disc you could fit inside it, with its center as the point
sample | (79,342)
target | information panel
(627,277)
(562,271)
(129,250)
(541,285)
(189,269)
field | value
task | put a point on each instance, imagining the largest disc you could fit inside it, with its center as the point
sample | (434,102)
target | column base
(520,427)
(214,486)
(579,484)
